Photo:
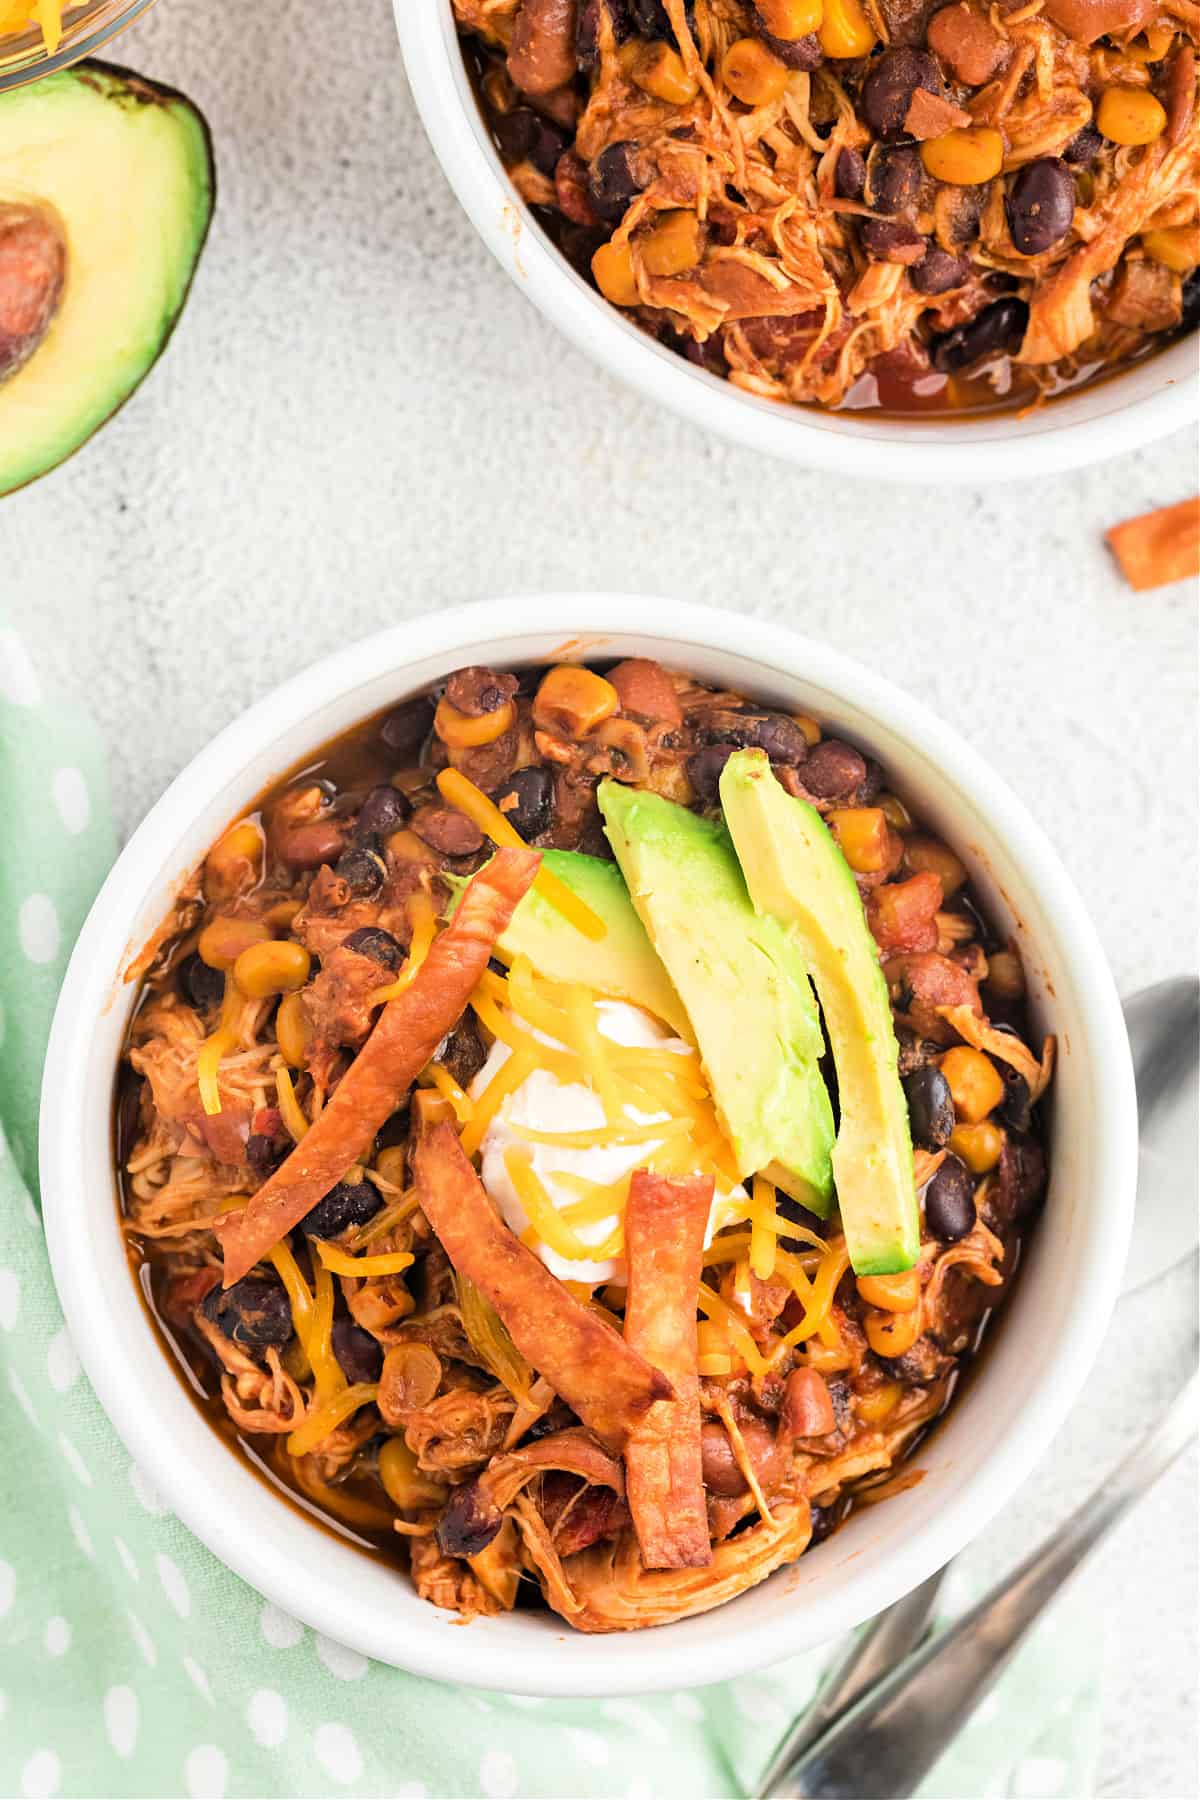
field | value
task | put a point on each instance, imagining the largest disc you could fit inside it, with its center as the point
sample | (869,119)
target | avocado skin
(797,875)
(743,982)
(121,86)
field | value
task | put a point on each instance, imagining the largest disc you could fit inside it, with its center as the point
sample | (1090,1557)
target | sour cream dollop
(544,1103)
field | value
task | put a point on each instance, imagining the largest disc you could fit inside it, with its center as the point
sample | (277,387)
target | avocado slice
(622,964)
(743,981)
(106,192)
(797,875)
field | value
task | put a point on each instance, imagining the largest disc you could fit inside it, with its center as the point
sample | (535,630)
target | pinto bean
(646,691)
(1087,20)
(309,845)
(447,831)
(807,1407)
(541,56)
(719,1465)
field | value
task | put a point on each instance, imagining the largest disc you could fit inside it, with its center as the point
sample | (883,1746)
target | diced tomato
(902,914)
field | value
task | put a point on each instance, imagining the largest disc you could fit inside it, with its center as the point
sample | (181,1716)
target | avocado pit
(33,272)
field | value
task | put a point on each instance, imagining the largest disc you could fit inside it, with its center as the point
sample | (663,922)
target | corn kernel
(462,732)
(979,1146)
(892,1333)
(661,72)
(1005,975)
(864,837)
(896,813)
(926,853)
(790,19)
(1151,45)
(673,244)
(809,728)
(234,862)
(875,1407)
(274,968)
(571,701)
(975,1083)
(845,30)
(291,1030)
(391,1164)
(1130,116)
(407,1486)
(966,156)
(752,74)
(612,267)
(223,939)
(891,1293)
(1176,247)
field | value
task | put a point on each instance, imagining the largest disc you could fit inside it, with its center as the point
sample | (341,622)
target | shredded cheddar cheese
(762,1239)
(341,1262)
(438,1076)
(327,1417)
(218,1044)
(290,1110)
(424,924)
(458,792)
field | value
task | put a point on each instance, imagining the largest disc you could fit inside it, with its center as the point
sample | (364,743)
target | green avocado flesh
(797,876)
(119,173)
(743,981)
(621,964)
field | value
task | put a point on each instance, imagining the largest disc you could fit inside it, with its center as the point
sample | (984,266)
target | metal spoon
(1164,1034)
(883,1747)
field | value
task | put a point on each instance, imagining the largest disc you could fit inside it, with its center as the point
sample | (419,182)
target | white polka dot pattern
(121,1719)
(38,930)
(19,684)
(267,1717)
(41,1775)
(279,1629)
(71,800)
(205,1773)
(338,1753)
(498,1774)
(57,1638)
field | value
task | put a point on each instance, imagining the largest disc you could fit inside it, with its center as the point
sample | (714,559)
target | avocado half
(106,193)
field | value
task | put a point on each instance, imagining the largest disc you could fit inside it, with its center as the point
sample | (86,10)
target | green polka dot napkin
(132,1663)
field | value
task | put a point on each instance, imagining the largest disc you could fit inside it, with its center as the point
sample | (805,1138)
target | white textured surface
(361,418)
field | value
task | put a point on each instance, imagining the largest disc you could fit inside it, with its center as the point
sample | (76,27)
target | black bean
(891,82)
(379,945)
(129,1112)
(779,736)
(264,1153)
(253,1312)
(383,811)
(891,240)
(405,730)
(549,145)
(1015,1109)
(349,1203)
(1040,205)
(527,801)
(612,181)
(894,178)
(930,1108)
(200,986)
(950,1201)
(1083,147)
(462,1051)
(359,1354)
(996,331)
(704,771)
(1190,316)
(850,175)
(802,53)
(938,271)
(469,1522)
(834,771)
(650,19)
(362,870)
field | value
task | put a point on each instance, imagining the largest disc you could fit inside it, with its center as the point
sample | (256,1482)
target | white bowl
(1026,1380)
(1155,397)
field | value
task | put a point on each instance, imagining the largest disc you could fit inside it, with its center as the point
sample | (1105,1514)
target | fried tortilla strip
(585,1361)
(1158,547)
(665,1221)
(406,1034)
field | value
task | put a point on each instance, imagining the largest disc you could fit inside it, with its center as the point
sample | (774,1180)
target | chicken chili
(849,203)
(574,1133)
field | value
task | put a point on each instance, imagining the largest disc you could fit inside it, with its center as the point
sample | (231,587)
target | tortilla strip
(406,1034)
(665,1222)
(585,1361)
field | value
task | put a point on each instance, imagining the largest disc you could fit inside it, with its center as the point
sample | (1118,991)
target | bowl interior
(1149,399)
(86,28)
(1025,1379)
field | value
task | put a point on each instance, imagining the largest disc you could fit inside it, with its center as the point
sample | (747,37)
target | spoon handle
(883,1747)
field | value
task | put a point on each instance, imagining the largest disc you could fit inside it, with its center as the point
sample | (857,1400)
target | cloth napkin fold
(132,1663)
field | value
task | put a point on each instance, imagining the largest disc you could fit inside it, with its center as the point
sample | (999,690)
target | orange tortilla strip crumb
(665,1221)
(406,1034)
(585,1361)
(1158,547)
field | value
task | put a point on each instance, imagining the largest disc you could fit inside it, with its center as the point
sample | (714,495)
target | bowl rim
(177,1448)
(33,64)
(1000,446)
